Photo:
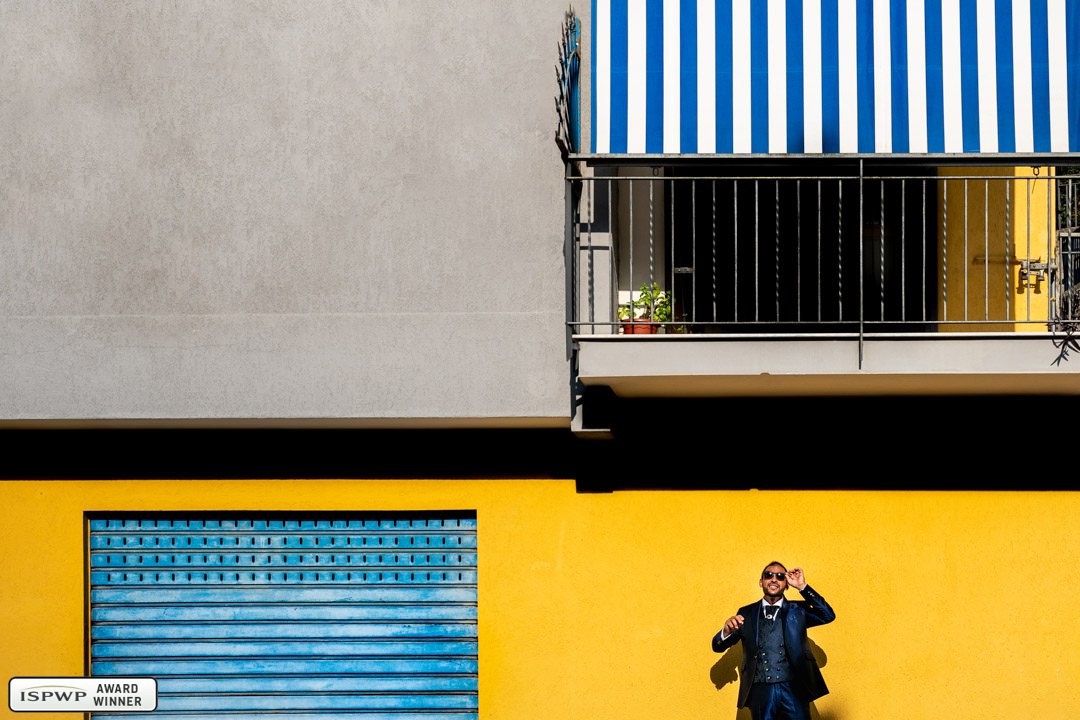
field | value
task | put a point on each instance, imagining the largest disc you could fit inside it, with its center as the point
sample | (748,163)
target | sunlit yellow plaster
(602,606)
(987,228)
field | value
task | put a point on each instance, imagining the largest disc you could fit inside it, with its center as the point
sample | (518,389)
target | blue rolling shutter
(298,619)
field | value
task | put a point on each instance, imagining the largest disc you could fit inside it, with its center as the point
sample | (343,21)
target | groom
(779,677)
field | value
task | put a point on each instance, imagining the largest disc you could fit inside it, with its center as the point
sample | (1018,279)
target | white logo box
(82,694)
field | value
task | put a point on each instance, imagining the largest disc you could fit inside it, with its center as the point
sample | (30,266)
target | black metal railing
(687,249)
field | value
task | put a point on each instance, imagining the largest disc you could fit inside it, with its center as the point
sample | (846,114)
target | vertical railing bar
(757,250)
(583,240)
(986,248)
(945,250)
(570,214)
(613,261)
(840,250)
(1067,282)
(1051,203)
(592,259)
(798,250)
(693,258)
(881,248)
(819,280)
(903,250)
(1060,256)
(578,265)
(671,204)
(862,261)
(714,260)
(575,250)
(966,256)
(776,251)
(1027,285)
(633,242)
(1064,309)
(735,248)
(669,197)
(630,281)
(652,248)
(1054,278)
(1008,246)
(925,261)
(1067,265)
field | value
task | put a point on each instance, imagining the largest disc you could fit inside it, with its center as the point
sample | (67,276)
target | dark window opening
(803,248)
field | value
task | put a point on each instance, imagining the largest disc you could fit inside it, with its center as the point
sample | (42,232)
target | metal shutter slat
(247,559)
(287,666)
(259,630)
(201,648)
(247,612)
(355,683)
(180,596)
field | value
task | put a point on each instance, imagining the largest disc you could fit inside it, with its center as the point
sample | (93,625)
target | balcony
(839,279)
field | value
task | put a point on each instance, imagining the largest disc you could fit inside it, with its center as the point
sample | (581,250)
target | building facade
(317,401)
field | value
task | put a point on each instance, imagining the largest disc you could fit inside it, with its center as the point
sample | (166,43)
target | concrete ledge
(793,365)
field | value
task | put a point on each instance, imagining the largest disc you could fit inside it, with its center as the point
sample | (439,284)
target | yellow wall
(1003,222)
(602,606)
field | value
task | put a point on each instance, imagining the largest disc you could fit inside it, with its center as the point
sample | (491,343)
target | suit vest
(772,661)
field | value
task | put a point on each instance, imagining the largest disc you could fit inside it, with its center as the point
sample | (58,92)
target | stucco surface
(319,209)
(602,606)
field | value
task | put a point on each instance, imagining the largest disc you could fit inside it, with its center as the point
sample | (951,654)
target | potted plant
(643,314)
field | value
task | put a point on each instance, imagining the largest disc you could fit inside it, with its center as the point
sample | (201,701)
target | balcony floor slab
(827,365)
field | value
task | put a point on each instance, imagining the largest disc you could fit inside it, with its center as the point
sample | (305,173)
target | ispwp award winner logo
(82,694)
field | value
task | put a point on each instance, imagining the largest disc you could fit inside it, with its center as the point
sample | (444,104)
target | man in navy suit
(779,677)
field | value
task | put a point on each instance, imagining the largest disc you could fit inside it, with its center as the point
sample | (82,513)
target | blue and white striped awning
(726,77)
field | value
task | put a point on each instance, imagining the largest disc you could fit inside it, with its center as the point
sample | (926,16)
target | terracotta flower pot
(639,326)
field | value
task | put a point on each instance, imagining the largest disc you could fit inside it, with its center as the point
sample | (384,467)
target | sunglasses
(769,575)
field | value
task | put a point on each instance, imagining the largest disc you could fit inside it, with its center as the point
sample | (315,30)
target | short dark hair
(774,562)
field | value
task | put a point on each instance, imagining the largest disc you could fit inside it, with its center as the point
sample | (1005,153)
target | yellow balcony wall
(987,228)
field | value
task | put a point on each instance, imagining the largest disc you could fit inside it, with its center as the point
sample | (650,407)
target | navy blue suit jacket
(797,616)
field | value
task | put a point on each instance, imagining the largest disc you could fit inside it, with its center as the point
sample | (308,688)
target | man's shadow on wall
(726,671)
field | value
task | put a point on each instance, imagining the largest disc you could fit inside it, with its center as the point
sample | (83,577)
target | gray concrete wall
(328,209)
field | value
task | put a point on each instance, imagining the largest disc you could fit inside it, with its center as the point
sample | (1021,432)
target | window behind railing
(888,249)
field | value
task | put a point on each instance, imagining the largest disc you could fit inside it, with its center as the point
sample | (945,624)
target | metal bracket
(1036,267)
